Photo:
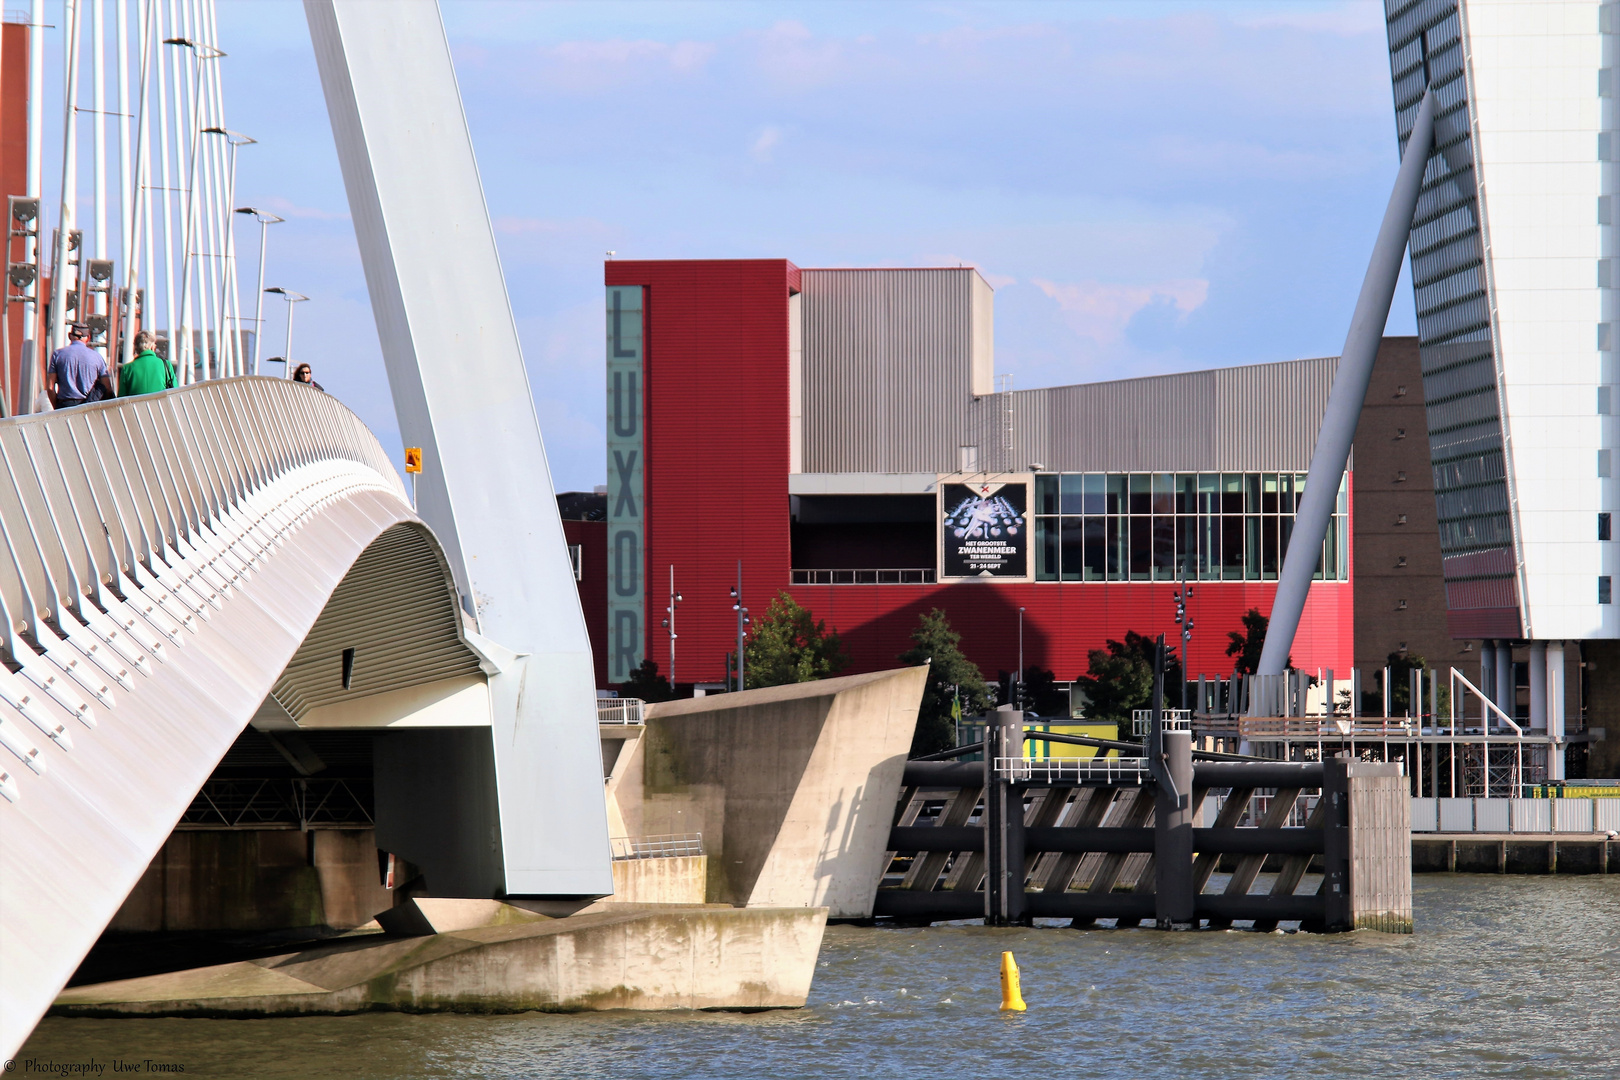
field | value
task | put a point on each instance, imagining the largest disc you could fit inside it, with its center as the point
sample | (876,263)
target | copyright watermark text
(92,1067)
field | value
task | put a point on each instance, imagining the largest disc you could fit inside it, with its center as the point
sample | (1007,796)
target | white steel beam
(461,392)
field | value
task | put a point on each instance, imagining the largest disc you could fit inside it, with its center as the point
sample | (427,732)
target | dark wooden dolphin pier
(1014,839)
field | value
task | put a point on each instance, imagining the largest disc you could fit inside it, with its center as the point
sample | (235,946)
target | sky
(1149,187)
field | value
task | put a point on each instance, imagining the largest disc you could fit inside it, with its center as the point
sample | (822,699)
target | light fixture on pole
(265,220)
(291,298)
(675,599)
(184,363)
(1019,678)
(230,316)
(1183,620)
(742,622)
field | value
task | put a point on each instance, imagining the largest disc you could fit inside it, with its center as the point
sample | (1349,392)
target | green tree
(645,683)
(952,677)
(789,645)
(1401,666)
(1119,678)
(1248,644)
(1041,695)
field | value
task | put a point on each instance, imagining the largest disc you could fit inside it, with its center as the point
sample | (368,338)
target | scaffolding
(1463,745)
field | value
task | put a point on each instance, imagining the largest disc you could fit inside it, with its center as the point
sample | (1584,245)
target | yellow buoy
(1012,995)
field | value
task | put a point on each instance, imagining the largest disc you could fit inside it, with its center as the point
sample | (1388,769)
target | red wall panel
(1064,621)
(716,405)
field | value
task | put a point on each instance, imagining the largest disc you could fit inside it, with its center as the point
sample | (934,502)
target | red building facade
(771,397)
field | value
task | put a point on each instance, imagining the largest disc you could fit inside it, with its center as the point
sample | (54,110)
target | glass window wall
(1144,526)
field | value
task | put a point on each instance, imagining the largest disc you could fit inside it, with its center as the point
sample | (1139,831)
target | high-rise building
(1514,269)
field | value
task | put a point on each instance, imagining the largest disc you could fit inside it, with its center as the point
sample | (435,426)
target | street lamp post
(229,313)
(669,623)
(1183,620)
(291,298)
(199,53)
(742,622)
(265,220)
(1019,678)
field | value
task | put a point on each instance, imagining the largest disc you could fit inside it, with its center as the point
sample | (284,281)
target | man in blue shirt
(75,370)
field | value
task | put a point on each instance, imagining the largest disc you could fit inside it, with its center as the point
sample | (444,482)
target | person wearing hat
(147,373)
(76,371)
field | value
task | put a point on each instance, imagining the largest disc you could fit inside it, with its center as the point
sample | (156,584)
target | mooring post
(1336,844)
(1172,814)
(1003,822)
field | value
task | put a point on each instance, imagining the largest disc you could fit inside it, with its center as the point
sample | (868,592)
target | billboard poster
(983,531)
(626,530)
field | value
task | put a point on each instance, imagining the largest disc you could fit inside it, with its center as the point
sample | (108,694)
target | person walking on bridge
(76,372)
(147,373)
(304,374)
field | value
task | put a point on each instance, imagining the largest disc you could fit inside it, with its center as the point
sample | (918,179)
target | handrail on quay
(620,710)
(665,846)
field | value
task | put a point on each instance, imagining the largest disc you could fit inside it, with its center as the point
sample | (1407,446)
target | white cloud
(597,66)
(1101,310)
(788,54)
(767,142)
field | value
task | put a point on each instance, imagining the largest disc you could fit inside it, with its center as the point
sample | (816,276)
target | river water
(1505,976)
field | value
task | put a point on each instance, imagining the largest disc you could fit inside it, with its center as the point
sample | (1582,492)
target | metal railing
(920,576)
(669,846)
(1107,770)
(627,710)
(1174,720)
(1261,729)
(127,523)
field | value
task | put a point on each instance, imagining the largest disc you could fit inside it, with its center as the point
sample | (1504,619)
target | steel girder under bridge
(162,560)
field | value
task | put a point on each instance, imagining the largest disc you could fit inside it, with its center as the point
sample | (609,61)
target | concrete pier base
(650,957)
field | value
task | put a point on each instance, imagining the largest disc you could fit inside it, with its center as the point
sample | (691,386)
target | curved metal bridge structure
(239,551)
(163,561)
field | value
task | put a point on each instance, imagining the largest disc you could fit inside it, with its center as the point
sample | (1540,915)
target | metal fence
(921,576)
(1431,815)
(620,710)
(669,846)
(1172,720)
(1111,770)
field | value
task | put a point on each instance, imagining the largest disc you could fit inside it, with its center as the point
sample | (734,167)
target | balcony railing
(922,576)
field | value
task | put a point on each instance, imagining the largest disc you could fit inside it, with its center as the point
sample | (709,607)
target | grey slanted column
(1349,391)
(461,392)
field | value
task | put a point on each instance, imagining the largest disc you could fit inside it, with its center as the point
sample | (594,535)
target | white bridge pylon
(162,558)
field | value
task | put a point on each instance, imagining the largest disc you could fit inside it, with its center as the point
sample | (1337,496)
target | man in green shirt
(148,373)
